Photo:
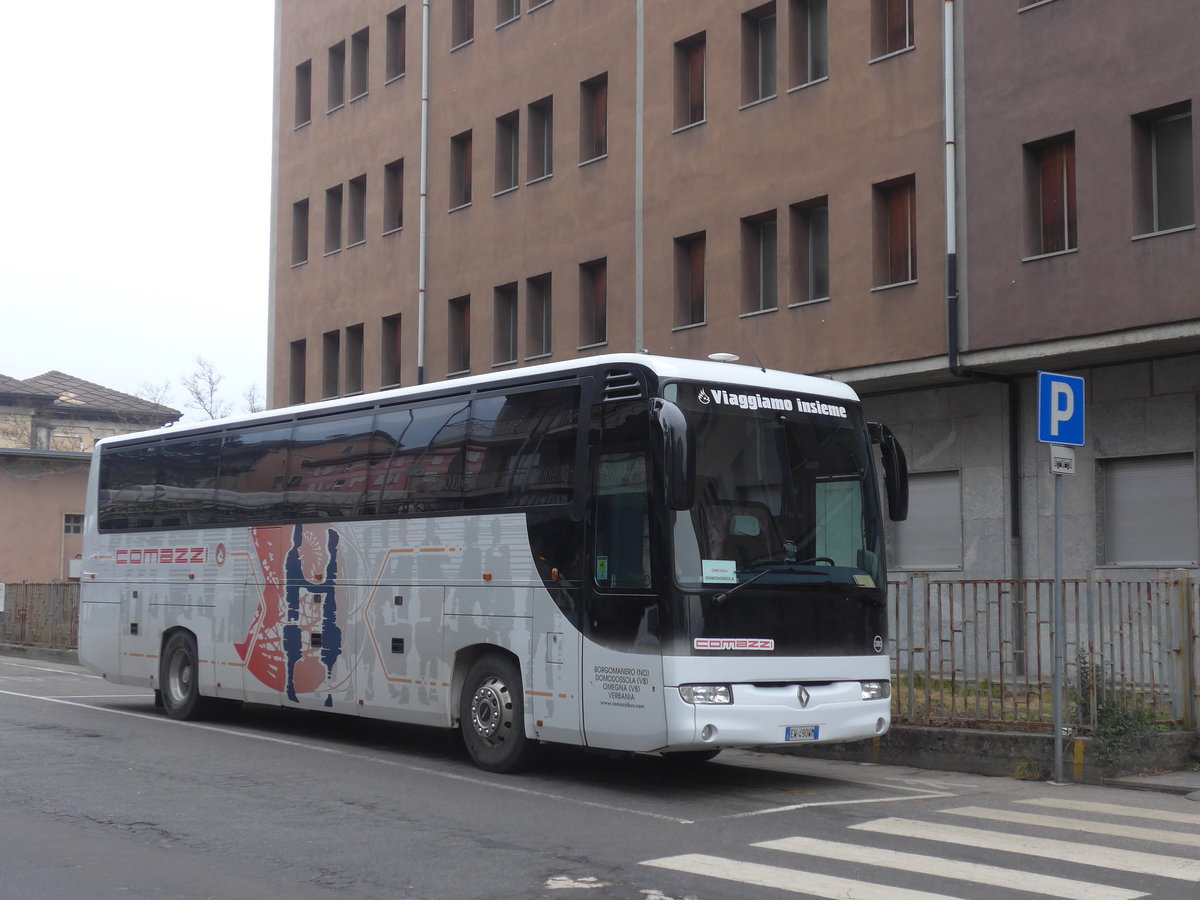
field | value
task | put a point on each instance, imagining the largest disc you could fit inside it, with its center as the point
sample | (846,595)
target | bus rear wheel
(179,678)
(492,716)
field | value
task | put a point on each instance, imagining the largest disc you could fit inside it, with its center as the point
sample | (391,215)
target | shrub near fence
(41,615)
(980,653)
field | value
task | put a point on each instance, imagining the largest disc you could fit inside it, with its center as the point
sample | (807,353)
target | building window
(760,263)
(689,280)
(758,54)
(72,523)
(354,359)
(537,312)
(809,41)
(360,66)
(1164,189)
(896,231)
(460,170)
(810,250)
(297,373)
(337,76)
(389,351)
(333,219)
(541,139)
(1149,510)
(300,232)
(356,222)
(508,151)
(891,26)
(331,363)
(396,37)
(393,196)
(689,81)
(504,324)
(462,22)
(593,118)
(459,336)
(593,302)
(931,537)
(1050,192)
(304,93)
(506,11)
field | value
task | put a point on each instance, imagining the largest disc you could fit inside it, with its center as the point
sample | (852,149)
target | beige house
(48,426)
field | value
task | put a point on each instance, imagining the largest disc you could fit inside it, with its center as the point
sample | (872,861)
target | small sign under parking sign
(1062,460)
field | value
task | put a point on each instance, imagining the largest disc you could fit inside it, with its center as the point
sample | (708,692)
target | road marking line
(813,884)
(425,770)
(1134,861)
(951,868)
(794,806)
(1112,809)
(47,669)
(1105,828)
(96,697)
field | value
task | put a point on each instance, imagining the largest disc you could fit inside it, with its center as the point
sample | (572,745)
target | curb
(46,654)
(1011,754)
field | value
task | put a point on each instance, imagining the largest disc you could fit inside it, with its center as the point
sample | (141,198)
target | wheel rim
(179,677)
(491,711)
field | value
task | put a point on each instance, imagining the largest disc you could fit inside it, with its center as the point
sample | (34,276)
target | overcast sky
(136,161)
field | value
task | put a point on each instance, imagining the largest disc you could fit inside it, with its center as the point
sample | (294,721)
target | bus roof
(665,367)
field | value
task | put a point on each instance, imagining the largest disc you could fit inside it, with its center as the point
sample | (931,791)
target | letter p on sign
(1060,409)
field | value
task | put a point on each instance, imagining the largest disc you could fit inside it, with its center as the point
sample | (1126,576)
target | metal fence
(967,653)
(982,652)
(41,615)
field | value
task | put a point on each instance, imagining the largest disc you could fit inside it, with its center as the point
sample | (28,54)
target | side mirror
(895,470)
(675,454)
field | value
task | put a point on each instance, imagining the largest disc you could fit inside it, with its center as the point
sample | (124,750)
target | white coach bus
(624,552)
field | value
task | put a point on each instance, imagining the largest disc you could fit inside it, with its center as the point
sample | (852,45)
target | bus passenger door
(622,658)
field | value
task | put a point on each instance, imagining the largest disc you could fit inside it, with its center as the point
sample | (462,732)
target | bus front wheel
(492,716)
(178,678)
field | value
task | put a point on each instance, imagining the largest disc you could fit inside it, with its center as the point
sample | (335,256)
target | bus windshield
(785,493)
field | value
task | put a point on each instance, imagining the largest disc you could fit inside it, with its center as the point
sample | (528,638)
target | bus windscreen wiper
(775,568)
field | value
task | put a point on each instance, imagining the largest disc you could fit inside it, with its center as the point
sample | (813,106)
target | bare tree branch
(202,386)
(254,400)
(155,393)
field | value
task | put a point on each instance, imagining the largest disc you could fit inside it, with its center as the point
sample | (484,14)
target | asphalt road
(101,796)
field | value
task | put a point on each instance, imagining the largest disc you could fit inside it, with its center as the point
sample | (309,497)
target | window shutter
(1150,510)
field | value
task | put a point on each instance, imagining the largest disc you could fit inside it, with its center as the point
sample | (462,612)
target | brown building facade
(931,200)
(602,177)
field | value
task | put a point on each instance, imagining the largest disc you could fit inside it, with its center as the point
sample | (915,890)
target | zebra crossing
(1173,854)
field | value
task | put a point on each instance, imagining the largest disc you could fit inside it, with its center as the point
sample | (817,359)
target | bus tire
(492,716)
(179,678)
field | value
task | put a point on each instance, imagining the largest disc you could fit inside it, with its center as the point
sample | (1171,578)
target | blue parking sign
(1060,409)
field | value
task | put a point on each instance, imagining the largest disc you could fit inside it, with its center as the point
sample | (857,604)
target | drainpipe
(639,303)
(954,362)
(423,217)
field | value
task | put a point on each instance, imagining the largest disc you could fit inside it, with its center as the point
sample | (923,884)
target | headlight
(706,693)
(876,690)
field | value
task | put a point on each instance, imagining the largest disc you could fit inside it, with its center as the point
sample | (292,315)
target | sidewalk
(1185,782)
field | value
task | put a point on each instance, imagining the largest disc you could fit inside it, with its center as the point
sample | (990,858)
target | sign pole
(1056,624)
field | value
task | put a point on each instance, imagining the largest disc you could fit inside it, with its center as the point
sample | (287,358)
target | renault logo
(803,695)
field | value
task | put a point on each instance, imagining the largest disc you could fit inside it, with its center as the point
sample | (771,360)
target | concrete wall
(1133,409)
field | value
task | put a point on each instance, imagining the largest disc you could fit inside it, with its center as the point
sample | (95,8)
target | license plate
(802,733)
